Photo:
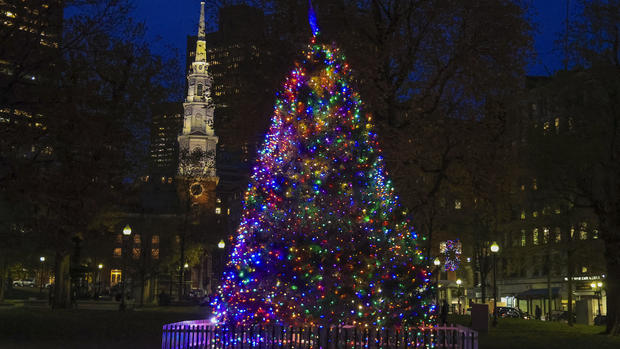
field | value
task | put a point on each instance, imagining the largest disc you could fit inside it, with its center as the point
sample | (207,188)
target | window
(535,236)
(523,238)
(522,214)
(545,235)
(534,184)
(115,276)
(155,253)
(558,235)
(457,205)
(583,233)
(595,234)
(137,239)
(218,210)
(199,92)
(136,252)
(118,252)
(155,239)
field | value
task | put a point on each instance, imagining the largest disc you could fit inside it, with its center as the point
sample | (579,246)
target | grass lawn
(27,328)
(533,334)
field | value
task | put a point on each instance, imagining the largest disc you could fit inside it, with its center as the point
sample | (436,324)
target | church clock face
(196,189)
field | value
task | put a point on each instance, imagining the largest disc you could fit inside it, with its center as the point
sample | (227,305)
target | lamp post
(42,259)
(100,267)
(494,250)
(597,292)
(126,234)
(458,284)
(437,263)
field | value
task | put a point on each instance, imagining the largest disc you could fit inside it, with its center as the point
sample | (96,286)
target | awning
(536,293)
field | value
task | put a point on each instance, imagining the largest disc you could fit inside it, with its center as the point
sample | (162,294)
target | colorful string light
(451,251)
(323,239)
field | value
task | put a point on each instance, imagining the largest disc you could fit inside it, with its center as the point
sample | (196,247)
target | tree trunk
(483,286)
(62,283)
(570,284)
(613,285)
(4,276)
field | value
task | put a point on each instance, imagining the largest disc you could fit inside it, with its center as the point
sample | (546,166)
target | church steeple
(201,23)
(198,131)
(201,47)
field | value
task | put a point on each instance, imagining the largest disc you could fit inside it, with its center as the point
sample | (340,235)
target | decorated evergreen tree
(323,239)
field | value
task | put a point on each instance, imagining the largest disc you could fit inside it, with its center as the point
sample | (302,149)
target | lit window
(155,239)
(535,236)
(118,252)
(534,184)
(557,125)
(583,234)
(228,212)
(595,234)
(136,252)
(457,205)
(535,214)
(218,210)
(115,276)
(522,214)
(546,235)
(137,239)
(523,238)
(155,253)
(572,232)
(584,269)
(218,200)
(558,235)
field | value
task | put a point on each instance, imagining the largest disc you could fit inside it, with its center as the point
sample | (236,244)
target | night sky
(171,21)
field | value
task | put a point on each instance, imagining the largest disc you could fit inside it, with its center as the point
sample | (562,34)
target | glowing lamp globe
(494,247)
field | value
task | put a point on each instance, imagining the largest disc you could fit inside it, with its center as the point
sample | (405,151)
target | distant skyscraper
(165,129)
(30,33)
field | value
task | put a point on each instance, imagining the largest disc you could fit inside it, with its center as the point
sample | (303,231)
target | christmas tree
(323,239)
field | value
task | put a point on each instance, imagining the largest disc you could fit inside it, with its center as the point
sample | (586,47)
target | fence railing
(202,334)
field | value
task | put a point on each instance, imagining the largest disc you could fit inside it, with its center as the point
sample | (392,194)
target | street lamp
(596,287)
(221,244)
(458,283)
(494,249)
(126,234)
(100,267)
(42,259)
(437,262)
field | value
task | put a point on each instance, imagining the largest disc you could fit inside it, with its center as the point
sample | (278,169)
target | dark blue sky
(171,21)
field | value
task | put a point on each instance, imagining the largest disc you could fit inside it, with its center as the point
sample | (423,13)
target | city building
(31,30)
(166,122)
